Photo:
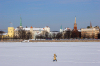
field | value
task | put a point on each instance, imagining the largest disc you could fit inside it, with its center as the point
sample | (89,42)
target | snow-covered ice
(41,54)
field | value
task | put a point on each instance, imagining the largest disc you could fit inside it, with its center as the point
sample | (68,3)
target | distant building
(47,29)
(54,32)
(67,29)
(75,25)
(75,32)
(3,35)
(35,31)
(10,33)
(61,30)
(96,27)
(91,32)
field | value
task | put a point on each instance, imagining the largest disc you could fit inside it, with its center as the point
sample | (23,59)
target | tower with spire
(20,22)
(90,25)
(61,30)
(75,25)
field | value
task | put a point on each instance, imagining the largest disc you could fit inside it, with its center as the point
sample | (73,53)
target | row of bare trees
(61,35)
(22,34)
(49,36)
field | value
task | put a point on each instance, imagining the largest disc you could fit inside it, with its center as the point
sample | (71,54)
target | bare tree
(37,37)
(75,34)
(28,35)
(93,36)
(84,35)
(53,35)
(67,34)
(22,34)
(59,36)
(46,35)
(1,34)
(15,37)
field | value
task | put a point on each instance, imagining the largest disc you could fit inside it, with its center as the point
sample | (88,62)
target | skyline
(52,13)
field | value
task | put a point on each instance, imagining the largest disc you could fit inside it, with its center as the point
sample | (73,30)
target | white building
(61,30)
(66,29)
(35,31)
(47,29)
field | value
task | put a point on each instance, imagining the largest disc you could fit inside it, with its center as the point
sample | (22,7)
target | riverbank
(66,40)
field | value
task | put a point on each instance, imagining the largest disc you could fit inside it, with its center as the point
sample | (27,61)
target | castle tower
(75,25)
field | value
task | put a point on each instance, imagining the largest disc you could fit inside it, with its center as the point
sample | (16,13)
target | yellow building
(10,32)
(3,35)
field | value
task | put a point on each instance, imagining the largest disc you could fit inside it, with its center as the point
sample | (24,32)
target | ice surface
(41,54)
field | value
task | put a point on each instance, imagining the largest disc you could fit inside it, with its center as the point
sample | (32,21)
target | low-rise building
(89,33)
(34,31)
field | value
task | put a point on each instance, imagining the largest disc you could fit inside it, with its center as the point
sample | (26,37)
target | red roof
(31,27)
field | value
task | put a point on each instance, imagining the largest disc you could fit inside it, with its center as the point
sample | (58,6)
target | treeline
(66,35)
(22,34)
(61,35)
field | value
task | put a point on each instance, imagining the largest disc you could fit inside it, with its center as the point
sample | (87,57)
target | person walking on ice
(55,57)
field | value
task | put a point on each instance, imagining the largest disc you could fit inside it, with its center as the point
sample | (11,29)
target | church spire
(61,30)
(61,27)
(90,25)
(20,21)
(75,19)
(75,25)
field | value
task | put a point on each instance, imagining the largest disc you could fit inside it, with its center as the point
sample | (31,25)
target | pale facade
(61,30)
(16,30)
(90,32)
(11,32)
(34,31)
(47,29)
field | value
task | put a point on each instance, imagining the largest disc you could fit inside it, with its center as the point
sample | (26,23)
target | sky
(52,13)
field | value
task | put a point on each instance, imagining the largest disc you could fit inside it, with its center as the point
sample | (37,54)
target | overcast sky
(52,13)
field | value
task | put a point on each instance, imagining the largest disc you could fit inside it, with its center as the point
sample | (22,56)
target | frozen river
(41,54)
